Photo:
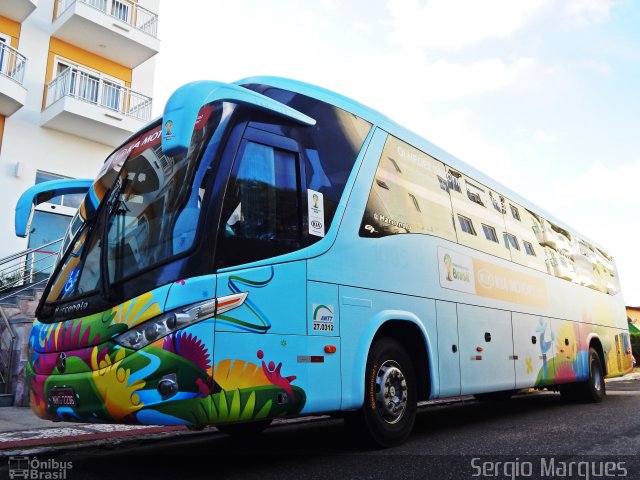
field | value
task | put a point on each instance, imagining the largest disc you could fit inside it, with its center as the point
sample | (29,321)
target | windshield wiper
(117,207)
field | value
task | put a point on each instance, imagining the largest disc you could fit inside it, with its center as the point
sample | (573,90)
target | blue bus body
(325,259)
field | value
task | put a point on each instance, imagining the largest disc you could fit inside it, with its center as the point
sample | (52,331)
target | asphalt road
(537,435)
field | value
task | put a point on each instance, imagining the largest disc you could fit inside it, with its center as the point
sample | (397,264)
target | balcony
(17,10)
(118,30)
(94,108)
(12,92)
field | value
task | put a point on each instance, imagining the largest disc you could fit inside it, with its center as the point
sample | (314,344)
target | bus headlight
(169,322)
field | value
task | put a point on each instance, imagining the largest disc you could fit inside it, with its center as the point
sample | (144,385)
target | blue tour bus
(269,248)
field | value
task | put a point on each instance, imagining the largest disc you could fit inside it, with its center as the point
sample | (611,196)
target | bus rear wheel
(592,390)
(244,429)
(390,404)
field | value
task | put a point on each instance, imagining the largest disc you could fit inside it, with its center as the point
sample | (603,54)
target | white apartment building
(76,79)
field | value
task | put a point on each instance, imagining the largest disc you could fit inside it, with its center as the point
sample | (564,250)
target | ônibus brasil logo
(455,272)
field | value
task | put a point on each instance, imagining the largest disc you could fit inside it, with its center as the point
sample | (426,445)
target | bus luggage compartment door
(486,349)
(448,349)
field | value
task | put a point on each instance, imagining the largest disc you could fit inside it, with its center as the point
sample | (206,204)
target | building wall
(24,141)
(11,28)
(634,314)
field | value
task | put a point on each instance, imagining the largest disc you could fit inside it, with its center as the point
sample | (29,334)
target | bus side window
(261,213)
(409,194)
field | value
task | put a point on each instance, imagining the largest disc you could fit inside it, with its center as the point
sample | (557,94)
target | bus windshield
(149,211)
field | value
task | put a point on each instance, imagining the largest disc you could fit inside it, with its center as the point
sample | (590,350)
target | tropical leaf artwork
(235,406)
(75,334)
(245,392)
(189,347)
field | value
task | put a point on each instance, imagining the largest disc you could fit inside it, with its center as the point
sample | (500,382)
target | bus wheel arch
(593,388)
(396,377)
(409,335)
(596,344)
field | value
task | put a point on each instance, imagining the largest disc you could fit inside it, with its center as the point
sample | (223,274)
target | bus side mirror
(40,193)
(182,108)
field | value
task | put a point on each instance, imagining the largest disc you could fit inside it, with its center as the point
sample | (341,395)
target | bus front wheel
(390,402)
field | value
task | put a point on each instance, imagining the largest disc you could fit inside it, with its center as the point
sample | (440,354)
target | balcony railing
(83,86)
(12,63)
(123,10)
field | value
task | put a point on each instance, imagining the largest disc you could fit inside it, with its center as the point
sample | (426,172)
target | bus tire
(592,390)
(390,404)
(244,429)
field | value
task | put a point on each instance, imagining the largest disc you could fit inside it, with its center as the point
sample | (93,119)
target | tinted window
(329,149)
(466,225)
(408,195)
(529,248)
(490,233)
(510,241)
(261,212)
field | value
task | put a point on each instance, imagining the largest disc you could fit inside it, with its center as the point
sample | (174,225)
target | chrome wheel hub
(597,378)
(391,392)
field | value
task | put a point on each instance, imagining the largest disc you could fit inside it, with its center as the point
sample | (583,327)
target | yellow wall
(634,314)
(11,28)
(87,59)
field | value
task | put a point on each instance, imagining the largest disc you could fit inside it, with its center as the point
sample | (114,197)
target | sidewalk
(21,429)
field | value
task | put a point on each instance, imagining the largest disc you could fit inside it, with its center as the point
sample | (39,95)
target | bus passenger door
(448,349)
(486,349)
(263,346)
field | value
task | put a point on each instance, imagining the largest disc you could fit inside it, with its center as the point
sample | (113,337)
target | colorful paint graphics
(102,381)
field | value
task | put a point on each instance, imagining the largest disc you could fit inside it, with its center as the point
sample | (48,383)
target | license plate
(63,397)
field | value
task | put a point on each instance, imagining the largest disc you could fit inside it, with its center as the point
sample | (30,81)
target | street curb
(626,378)
(85,437)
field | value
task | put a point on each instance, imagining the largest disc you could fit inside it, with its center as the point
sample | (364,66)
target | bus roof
(392,127)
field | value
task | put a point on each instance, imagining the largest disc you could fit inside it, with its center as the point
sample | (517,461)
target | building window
(498,204)
(415,202)
(514,212)
(529,248)
(466,224)
(89,85)
(474,197)
(70,200)
(474,193)
(510,241)
(443,184)
(490,233)
(452,180)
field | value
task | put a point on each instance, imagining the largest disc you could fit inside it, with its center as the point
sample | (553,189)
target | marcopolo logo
(32,468)
(455,272)
(73,308)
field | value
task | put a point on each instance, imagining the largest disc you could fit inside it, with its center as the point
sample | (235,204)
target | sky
(541,95)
